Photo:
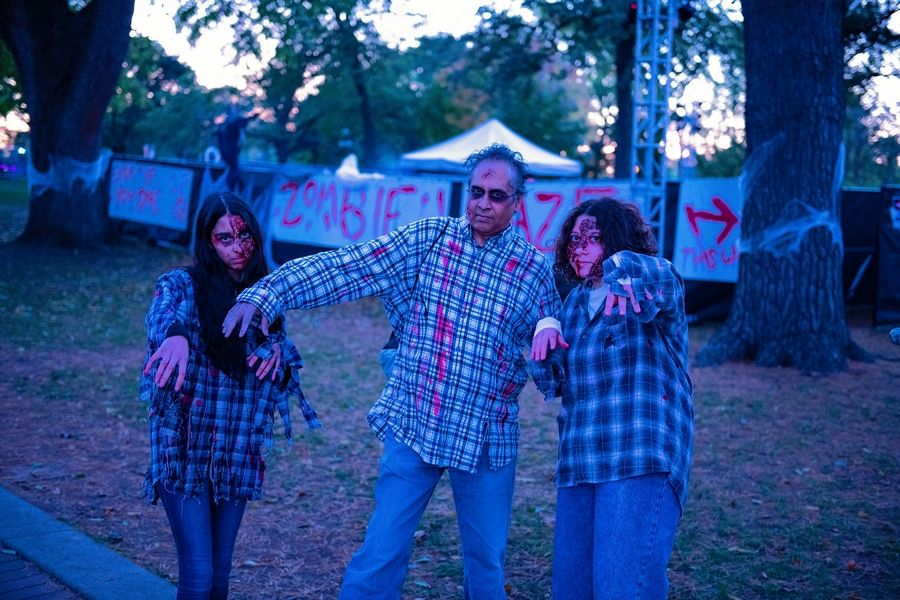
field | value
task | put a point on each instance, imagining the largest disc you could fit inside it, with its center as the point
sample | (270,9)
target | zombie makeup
(234,233)
(585,250)
(233,242)
(245,242)
(490,208)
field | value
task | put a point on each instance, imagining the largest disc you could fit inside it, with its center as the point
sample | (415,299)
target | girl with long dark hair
(212,399)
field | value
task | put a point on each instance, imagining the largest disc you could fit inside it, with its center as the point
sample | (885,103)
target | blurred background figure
(230,136)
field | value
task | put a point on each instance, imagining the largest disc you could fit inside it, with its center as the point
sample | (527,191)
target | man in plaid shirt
(463,296)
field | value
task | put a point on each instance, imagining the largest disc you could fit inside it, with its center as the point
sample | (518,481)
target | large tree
(788,307)
(68,57)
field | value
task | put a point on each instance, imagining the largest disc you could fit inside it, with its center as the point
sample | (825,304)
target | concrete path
(89,569)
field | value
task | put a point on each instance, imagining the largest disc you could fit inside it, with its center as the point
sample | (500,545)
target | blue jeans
(483,506)
(204,534)
(613,539)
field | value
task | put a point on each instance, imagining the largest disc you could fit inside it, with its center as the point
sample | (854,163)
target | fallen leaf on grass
(740,550)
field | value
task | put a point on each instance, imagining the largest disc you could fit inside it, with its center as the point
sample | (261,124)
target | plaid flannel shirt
(462,314)
(627,405)
(216,428)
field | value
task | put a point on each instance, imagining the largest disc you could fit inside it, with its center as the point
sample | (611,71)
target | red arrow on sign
(725,216)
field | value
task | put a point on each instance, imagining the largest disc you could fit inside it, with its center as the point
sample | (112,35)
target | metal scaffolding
(652,68)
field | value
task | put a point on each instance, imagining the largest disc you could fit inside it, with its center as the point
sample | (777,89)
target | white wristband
(546,323)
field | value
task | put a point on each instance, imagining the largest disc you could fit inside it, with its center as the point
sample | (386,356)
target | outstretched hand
(546,340)
(241,315)
(269,365)
(172,354)
(613,300)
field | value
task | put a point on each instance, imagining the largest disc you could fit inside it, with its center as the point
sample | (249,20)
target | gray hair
(501,153)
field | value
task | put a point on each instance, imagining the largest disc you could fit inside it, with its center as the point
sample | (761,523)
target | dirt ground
(793,489)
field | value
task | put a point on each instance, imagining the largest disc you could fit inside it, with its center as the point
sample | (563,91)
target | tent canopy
(450,155)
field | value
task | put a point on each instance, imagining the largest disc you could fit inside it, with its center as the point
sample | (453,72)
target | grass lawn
(793,494)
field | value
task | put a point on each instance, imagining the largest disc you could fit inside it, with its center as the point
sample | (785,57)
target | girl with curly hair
(626,420)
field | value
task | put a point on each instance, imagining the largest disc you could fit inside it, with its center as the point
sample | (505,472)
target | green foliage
(415,105)
(334,40)
(334,86)
(871,152)
(866,33)
(158,102)
(723,163)
(524,82)
(383,100)
(598,39)
(11,97)
(872,147)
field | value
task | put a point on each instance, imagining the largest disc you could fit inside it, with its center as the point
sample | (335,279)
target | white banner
(150,193)
(549,201)
(707,229)
(325,210)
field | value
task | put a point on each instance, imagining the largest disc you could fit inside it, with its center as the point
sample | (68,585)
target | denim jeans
(613,539)
(204,534)
(483,506)
(386,357)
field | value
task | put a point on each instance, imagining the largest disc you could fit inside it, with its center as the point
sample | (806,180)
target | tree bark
(353,51)
(789,307)
(625,101)
(69,63)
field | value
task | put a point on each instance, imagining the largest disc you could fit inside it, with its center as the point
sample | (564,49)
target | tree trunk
(369,156)
(354,53)
(69,63)
(625,102)
(789,307)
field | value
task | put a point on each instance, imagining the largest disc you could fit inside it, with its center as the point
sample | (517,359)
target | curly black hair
(621,225)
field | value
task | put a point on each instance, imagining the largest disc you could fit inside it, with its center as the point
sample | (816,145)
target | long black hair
(621,225)
(214,289)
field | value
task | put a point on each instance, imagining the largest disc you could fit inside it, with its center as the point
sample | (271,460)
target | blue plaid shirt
(462,314)
(627,405)
(216,428)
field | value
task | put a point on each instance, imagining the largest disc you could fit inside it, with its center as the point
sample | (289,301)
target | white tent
(450,155)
